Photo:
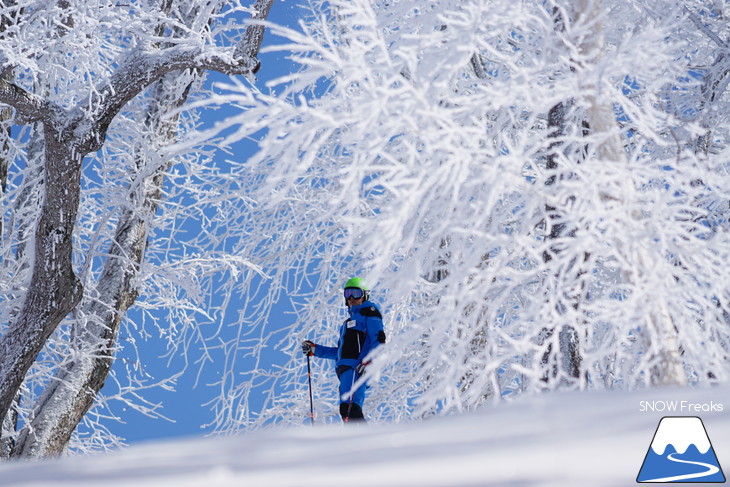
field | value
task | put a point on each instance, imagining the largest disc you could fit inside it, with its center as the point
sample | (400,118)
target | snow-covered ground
(558,439)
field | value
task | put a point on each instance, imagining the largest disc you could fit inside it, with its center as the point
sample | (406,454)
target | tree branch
(141,69)
(54,288)
(708,32)
(28,107)
(98,316)
(251,42)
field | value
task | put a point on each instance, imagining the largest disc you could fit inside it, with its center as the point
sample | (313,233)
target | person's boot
(351,412)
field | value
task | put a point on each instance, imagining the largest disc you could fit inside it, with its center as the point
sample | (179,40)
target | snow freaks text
(680,407)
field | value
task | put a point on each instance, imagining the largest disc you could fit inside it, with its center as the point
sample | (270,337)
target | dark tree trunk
(54,290)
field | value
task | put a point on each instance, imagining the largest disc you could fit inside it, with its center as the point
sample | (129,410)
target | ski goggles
(354,292)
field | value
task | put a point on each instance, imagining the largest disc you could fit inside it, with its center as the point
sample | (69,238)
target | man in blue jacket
(360,334)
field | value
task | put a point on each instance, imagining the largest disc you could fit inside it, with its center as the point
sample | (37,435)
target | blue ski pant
(348,377)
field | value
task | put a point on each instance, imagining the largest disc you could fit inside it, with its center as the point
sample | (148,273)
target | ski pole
(311,397)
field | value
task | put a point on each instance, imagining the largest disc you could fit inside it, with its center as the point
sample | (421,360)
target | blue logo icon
(681,452)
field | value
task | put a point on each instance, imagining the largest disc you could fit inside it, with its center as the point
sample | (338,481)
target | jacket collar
(358,307)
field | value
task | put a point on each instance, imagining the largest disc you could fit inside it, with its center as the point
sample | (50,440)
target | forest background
(536,190)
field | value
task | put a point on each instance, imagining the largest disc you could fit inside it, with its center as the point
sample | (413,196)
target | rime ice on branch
(95,90)
(518,247)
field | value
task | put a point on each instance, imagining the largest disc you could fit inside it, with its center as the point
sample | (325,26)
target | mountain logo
(681,452)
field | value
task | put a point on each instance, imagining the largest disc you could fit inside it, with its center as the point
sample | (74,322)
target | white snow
(680,432)
(556,439)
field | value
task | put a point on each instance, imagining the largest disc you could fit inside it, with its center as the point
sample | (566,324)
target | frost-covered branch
(249,46)
(705,29)
(78,123)
(508,141)
(141,68)
(28,107)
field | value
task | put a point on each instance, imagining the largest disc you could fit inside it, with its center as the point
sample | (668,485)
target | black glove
(360,369)
(308,348)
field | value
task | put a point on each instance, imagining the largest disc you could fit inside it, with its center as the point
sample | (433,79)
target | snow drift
(560,439)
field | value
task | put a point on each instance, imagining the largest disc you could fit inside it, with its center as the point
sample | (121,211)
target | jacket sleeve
(374,330)
(325,352)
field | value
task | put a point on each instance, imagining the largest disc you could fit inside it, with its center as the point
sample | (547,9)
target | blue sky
(184,405)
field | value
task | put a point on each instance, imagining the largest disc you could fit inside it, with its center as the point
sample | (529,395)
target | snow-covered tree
(91,95)
(536,189)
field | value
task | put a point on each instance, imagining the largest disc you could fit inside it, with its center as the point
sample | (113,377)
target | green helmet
(357,282)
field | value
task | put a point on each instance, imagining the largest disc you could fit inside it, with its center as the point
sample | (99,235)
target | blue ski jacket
(360,334)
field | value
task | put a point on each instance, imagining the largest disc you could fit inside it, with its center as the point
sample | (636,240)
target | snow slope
(559,439)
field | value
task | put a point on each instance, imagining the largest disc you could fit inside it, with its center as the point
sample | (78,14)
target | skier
(360,334)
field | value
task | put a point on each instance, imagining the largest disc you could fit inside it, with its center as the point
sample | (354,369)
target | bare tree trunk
(24,212)
(568,360)
(609,150)
(54,289)
(9,424)
(72,392)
